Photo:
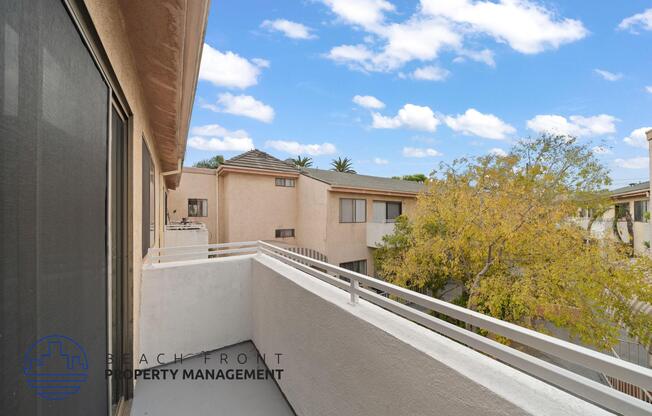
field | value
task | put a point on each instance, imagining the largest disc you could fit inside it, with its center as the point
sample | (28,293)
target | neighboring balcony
(348,350)
(377,230)
(185,234)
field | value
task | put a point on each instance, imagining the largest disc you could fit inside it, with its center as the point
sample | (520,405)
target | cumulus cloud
(496,151)
(379,161)
(578,126)
(296,148)
(525,25)
(365,13)
(228,69)
(638,138)
(639,21)
(475,123)
(411,116)
(213,137)
(242,105)
(420,152)
(430,73)
(608,76)
(368,101)
(649,89)
(633,163)
(290,29)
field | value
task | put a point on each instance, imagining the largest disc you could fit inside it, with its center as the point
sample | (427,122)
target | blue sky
(434,79)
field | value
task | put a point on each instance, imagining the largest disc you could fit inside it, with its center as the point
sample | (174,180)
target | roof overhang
(167,38)
(225,169)
(368,191)
(645,193)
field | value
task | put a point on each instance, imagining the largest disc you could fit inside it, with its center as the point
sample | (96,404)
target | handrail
(199,252)
(577,384)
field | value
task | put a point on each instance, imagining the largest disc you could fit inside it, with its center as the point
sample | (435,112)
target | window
(285,233)
(640,208)
(387,211)
(198,207)
(353,210)
(148,193)
(622,210)
(286,182)
(358,266)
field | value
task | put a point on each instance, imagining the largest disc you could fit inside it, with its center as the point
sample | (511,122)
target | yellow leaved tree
(501,228)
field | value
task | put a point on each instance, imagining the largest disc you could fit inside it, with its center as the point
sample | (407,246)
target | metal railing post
(353,290)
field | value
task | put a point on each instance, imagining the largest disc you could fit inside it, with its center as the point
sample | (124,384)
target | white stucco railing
(376,231)
(394,299)
(361,286)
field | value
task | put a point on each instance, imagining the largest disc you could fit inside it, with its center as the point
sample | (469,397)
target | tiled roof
(643,186)
(352,180)
(257,159)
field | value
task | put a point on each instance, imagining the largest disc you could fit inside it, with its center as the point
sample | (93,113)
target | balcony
(376,231)
(345,349)
(185,234)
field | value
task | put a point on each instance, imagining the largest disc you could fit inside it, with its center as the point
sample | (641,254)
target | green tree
(501,228)
(342,165)
(416,177)
(302,162)
(212,163)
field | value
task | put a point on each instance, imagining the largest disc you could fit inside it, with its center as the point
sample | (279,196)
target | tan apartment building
(95,103)
(339,217)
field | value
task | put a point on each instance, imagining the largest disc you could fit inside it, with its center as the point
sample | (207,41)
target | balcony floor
(211,397)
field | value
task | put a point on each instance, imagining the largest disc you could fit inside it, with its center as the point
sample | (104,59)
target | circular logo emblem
(55,367)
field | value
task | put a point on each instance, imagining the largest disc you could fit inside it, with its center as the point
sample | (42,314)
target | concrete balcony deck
(348,351)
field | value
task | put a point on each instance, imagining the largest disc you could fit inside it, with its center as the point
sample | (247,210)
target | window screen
(286,182)
(640,208)
(353,210)
(285,233)
(359,266)
(393,211)
(198,208)
(53,191)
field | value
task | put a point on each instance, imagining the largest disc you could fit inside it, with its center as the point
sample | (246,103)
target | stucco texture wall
(109,24)
(253,208)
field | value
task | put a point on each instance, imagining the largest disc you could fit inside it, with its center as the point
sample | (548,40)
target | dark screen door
(53,222)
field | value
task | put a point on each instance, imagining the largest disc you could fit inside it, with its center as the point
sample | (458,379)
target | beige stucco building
(335,216)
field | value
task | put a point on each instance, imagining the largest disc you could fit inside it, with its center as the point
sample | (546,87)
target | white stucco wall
(196,306)
(341,359)
(182,238)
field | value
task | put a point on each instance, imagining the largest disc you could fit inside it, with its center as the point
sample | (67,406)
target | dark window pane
(393,210)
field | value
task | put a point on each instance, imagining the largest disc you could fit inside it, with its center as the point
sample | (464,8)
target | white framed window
(285,233)
(286,182)
(353,210)
(640,208)
(198,208)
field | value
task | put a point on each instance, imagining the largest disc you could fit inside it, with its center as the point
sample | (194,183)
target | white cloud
(366,13)
(290,29)
(641,20)
(601,150)
(214,137)
(578,126)
(638,138)
(525,25)
(242,105)
(296,148)
(368,101)
(260,62)
(649,89)
(430,73)
(475,123)
(379,161)
(228,69)
(420,152)
(410,116)
(226,144)
(633,163)
(437,26)
(609,76)
(496,151)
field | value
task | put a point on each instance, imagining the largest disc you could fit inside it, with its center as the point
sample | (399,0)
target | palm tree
(342,165)
(212,163)
(302,162)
